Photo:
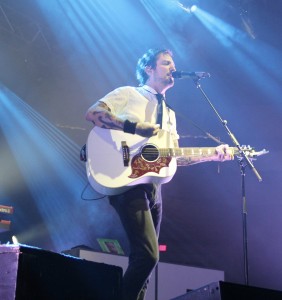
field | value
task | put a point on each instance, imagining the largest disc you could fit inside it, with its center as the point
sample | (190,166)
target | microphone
(190,75)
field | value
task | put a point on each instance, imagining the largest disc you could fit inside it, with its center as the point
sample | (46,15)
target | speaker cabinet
(230,291)
(28,273)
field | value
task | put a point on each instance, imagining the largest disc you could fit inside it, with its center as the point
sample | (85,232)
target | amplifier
(230,291)
(32,273)
(5,224)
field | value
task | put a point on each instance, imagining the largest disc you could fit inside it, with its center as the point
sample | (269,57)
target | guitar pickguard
(139,166)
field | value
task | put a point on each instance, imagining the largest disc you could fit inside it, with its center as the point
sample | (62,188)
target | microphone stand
(243,161)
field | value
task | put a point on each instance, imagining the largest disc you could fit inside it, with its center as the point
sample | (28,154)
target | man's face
(161,75)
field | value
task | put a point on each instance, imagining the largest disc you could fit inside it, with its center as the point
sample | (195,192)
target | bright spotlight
(193,8)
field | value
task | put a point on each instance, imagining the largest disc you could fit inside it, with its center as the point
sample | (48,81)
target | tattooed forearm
(109,121)
(101,115)
(181,161)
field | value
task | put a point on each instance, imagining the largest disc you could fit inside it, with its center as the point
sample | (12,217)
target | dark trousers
(140,211)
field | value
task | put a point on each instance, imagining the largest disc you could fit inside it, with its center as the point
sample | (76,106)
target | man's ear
(148,70)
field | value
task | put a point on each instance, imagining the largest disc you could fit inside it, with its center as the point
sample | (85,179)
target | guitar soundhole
(150,153)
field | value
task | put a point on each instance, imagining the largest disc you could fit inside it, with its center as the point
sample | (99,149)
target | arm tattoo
(106,118)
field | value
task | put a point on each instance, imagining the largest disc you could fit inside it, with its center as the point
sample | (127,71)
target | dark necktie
(160,98)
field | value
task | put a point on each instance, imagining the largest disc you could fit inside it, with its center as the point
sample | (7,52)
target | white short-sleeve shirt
(139,104)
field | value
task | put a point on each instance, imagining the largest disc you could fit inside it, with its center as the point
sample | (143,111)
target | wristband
(129,127)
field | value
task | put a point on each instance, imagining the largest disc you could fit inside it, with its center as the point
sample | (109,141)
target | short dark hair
(148,59)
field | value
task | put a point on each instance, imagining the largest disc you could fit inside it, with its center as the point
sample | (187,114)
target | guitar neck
(187,152)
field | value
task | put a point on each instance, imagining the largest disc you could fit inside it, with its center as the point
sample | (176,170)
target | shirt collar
(150,89)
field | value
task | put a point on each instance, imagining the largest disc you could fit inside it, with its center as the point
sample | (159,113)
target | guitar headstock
(250,152)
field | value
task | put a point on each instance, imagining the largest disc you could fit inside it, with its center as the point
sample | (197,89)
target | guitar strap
(83,156)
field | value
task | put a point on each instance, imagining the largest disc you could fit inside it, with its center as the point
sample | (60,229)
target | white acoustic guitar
(117,160)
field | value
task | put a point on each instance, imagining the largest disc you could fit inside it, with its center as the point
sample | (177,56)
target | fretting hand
(223,153)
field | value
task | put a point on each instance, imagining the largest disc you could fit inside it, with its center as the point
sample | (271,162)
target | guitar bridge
(125,153)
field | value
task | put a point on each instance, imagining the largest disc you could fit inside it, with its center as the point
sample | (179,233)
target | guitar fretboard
(187,152)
